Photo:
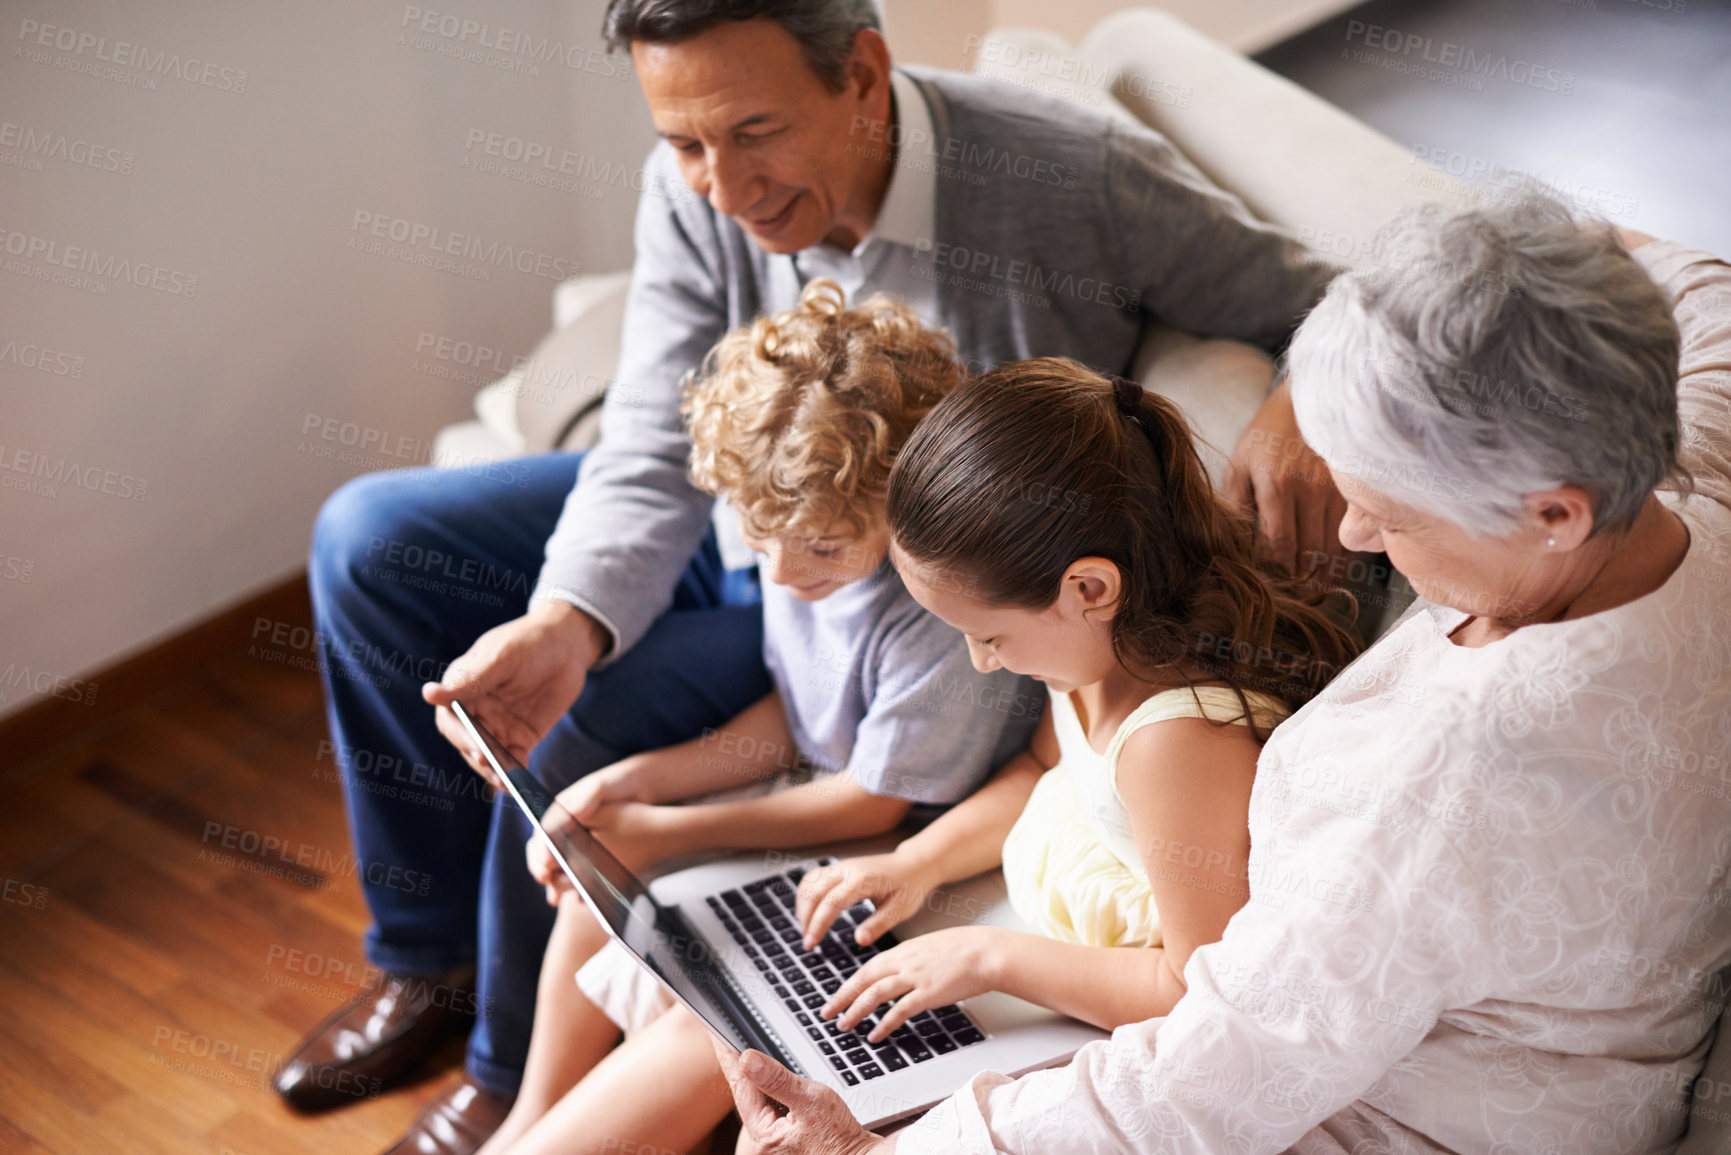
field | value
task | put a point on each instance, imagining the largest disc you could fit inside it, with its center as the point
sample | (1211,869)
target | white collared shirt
(891,257)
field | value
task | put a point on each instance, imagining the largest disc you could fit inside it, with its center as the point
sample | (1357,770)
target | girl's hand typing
(895,886)
(929,970)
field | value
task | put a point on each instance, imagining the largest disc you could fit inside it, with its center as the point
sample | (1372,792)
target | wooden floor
(147,984)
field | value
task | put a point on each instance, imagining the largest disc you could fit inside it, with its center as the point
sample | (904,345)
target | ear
(1091,585)
(1563,516)
(868,67)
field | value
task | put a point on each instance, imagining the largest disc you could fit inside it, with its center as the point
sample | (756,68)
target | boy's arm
(754,745)
(831,809)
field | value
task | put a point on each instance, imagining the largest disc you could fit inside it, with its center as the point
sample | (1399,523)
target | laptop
(722,938)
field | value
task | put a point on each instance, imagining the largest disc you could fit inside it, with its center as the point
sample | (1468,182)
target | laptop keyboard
(760,917)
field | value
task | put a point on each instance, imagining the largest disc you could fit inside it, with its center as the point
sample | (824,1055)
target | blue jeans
(408,568)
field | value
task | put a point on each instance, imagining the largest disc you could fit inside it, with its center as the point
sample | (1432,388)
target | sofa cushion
(560,385)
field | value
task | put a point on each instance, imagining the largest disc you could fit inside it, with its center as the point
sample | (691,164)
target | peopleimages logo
(1461,58)
(46,145)
(40,473)
(423,244)
(81,259)
(124,54)
(500,46)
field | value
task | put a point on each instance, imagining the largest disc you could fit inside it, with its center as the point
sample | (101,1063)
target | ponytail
(1021,471)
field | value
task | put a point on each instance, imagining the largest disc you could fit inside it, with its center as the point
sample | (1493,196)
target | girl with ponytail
(1065,524)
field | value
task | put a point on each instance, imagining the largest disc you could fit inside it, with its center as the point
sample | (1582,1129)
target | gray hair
(1490,354)
(825,29)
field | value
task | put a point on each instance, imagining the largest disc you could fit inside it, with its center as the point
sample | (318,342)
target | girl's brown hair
(798,417)
(1022,471)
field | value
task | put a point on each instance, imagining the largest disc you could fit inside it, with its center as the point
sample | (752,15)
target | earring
(1551,541)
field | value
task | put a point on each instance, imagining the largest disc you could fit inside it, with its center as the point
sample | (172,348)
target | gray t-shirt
(874,685)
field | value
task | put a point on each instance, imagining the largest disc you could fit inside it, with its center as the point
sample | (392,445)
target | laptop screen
(658,936)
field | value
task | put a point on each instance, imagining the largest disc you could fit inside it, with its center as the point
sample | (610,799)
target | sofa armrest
(1294,159)
(578,295)
(552,398)
(559,387)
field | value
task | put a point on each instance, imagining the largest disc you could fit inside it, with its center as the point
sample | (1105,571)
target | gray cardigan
(1061,232)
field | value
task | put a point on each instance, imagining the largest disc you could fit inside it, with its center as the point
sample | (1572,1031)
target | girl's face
(812,568)
(1066,645)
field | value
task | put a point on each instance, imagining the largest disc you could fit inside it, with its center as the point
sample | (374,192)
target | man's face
(763,139)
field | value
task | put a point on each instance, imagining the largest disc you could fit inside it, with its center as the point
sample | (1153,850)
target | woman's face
(1508,578)
(1066,645)
(813,567)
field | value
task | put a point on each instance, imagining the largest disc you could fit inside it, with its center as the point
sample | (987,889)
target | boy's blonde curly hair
(798,417)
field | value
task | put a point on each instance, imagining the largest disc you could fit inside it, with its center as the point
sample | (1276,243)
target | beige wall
(163,444)
(169,458)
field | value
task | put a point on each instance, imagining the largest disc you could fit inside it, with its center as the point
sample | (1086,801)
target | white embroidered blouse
(1489,906)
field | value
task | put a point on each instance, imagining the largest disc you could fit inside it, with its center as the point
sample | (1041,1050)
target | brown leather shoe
(456,1123)
(382,1035)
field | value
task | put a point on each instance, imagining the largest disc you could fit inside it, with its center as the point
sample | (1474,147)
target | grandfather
(810,156)
(1488,904)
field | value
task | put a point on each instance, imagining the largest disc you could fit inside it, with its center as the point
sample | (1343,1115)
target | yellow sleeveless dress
(1070,861)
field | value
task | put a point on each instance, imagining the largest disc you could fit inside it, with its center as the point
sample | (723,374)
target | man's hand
(929,970)
(1276,475)
(518,679)
(816,1121)
(896,889)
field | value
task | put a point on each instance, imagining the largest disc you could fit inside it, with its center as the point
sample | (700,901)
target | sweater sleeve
(1198,257)
(634,519)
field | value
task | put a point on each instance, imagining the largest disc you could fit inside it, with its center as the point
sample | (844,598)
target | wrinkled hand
(896,888)
(930,970)
(815,1122)
(517,680)
(1276,475)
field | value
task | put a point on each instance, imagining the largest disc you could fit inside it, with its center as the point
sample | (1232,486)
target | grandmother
(1488,879)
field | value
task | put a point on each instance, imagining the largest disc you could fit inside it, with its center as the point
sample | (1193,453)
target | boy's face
(811,567)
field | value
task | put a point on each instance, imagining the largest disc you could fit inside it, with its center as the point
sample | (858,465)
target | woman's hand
(896,887)
(816,1122)
(930,970)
